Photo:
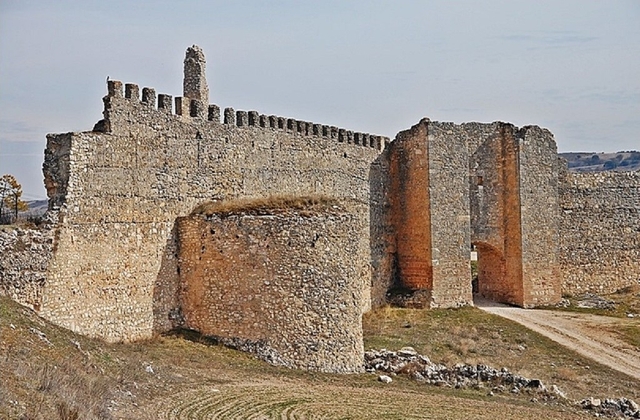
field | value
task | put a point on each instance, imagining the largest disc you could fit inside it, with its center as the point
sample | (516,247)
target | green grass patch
(631,335)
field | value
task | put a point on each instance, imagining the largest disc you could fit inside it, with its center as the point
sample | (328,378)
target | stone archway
(491,272)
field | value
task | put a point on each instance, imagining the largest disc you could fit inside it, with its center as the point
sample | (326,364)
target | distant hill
(36,207)
(599,162)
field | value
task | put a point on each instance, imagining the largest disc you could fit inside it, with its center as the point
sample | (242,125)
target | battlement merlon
(195,79)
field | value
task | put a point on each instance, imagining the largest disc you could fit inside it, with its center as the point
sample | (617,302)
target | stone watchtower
(195,80)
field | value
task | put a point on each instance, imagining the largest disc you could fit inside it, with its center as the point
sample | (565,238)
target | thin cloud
(15,126)
(567,38)
(551,39)
(615,97)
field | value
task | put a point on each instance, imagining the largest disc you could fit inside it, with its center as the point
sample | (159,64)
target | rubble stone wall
(539,214)
(513,200)
(24,257)
(411,214)
(121,187)
(599,231)
(285,286)
(491,166)
(111,261)
(449,202)
(381,230)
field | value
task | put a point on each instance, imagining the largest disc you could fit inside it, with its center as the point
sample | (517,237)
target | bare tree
(10,198)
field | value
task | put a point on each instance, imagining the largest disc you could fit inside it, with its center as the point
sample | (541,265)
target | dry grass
(565,374)
(185,376)
(471,336)
(52,379)
(631,335)
(625,301)
(269,205)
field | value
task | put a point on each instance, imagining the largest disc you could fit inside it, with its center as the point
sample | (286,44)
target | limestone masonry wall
(24,257)
(411,215)
(539,201)
(120,189)
(493,162)
(285,286)
(488,185)
(599,231)
(450,214)
(381,230)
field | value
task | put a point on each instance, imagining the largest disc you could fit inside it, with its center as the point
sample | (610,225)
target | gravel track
(587,334)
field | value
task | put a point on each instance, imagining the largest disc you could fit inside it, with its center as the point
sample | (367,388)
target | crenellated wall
(121,187)
(194,110)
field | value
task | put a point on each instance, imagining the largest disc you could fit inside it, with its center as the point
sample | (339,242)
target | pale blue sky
(572,66)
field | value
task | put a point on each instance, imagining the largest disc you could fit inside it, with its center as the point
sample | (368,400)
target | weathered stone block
(149,96)
(132,91)
(214,113)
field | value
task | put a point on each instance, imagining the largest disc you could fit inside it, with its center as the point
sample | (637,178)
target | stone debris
(592,301)
(407,352)
(42,336)
(558,392)
(420,368)
(385,379)
(612,407)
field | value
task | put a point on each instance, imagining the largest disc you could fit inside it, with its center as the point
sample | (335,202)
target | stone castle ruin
(275,235)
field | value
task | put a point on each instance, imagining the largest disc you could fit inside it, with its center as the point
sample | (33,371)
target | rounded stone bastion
(281,278)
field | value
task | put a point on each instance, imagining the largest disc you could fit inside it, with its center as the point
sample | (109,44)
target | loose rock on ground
(420,368)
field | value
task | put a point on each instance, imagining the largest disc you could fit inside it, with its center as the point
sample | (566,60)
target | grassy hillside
(51,373)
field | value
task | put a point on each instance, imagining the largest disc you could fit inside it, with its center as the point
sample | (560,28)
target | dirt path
(587,334)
